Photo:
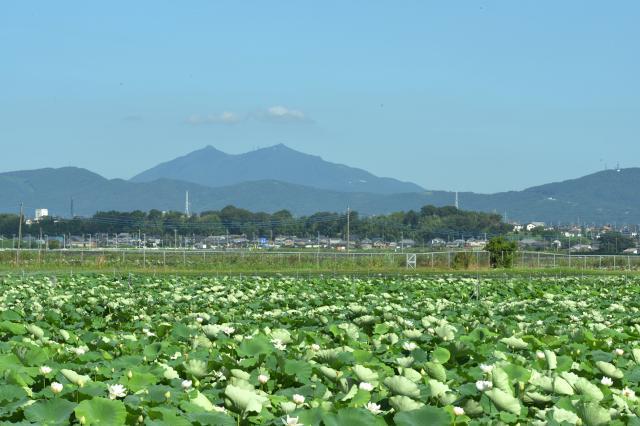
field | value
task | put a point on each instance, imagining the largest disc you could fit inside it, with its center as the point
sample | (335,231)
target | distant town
(533,236)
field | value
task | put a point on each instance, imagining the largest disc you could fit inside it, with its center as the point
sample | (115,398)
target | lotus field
(98,350)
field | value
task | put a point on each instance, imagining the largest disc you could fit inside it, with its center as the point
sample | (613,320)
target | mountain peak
(211,167)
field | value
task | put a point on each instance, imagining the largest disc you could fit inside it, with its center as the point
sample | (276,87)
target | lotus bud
(167,394)
(130,374)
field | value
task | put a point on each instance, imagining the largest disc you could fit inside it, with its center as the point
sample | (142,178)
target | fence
(302,260)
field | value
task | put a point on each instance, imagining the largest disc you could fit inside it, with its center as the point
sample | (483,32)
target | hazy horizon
(482,97)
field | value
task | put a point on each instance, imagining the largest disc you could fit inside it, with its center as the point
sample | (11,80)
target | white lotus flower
(79,351)
(175,356)
(606,381)
(540,355)
(277,343)
(117,391)
(409,346)
(483,385)
(228,330)
(298,399)
(45,369)
(263,378)
(619,352)
(486,368)
(56,387)
(628,393)
(186,384)
(373,407)
(291,421)
(315,347)
(366,386)
(199,320)
(458,411)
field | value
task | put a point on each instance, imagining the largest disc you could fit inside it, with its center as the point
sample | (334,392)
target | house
(533,225)
(437,242)
(41,213)
(366,244)
(459,243)
(632,250)
(581,248)
(379,243)
(407,243)
(517,228)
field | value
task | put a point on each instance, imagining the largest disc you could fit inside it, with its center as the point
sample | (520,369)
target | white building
(40,213)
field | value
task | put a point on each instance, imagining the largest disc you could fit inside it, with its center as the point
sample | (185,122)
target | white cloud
(226,117)
(276,114)
(281,113)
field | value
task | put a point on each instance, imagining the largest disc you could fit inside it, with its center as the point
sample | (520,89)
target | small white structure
(41,213)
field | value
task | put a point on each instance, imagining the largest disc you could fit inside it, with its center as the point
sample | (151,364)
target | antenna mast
(457,205)
(186,204)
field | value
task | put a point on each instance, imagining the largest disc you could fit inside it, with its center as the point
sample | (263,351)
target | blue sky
(461,95)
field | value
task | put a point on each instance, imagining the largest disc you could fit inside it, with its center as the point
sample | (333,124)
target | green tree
(501,252)
(614,243)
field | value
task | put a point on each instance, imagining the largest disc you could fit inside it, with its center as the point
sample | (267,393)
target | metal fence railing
(308,259)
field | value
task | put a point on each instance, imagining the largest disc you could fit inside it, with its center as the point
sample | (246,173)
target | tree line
(423,225)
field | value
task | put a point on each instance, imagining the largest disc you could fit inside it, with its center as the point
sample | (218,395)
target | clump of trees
(423,225)
(501,252)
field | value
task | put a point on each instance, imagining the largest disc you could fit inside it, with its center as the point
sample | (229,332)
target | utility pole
(175,238)
(457,205)
(19,233)
(348,225)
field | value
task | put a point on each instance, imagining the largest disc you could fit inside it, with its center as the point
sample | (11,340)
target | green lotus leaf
(436,388)
(588,389)
(446,332)
(400,385)
(436,370)
(609,370)
(330,373)
(37,332)
(561,415)
(405,362)
(288,406)
(501,380)
(412,333)
(169,373)
(504,401)
(101,411)
(592,414)
(536,397)
(412,374)
(75,378)
(427,415)
(514,342)
(404,403)
(244,400)
(562,387)
(50,412)
(257,345)
(239,374)
(552,361)
(440,355)
(365,374)
(281,334)
(198,399)
(196,368)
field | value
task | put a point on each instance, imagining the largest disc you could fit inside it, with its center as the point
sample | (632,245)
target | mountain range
(278,177)
(214,168)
